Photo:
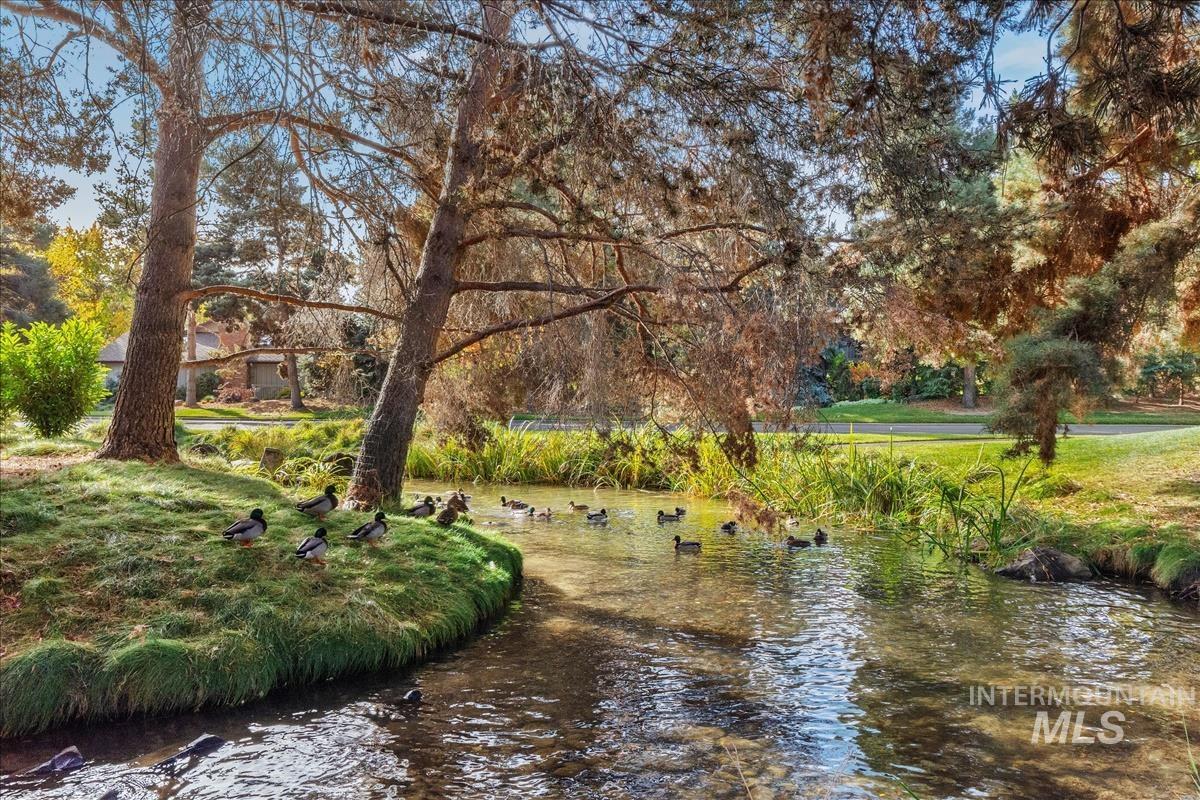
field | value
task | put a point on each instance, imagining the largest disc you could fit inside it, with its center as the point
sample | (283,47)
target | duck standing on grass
(448,516)
(666,517)
(320,505)
(686,547)
(424,508)
(370,532)
(248,529)
(598,517)
(313,548)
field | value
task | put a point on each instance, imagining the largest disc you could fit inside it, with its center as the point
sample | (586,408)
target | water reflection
(630,671)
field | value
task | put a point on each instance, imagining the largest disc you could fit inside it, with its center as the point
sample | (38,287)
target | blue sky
(1018,58)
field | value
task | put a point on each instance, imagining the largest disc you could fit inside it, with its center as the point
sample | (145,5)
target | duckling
(679,512)
(792,541)
(575,507)
(598,517)
(312,548)
(666,517)
(370,532)
(320,505)
(686,547)
(820,537)
(248,529)
(422,509)
(729,527)
(448,517)
(544,514)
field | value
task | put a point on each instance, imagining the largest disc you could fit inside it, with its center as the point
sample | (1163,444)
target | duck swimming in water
(544,514)
(371,532)
(248,529)
(792,541)
(666,517)
(574,507)
(686,547)
(320,505)
(729,527)
(600,516)
(820,537)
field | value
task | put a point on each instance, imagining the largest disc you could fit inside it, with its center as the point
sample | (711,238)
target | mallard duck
(792,541)
(679,512)
(574,507)
(598,516)
(792,522)
(448,517)
(457,502)
(666,517)
(312,548)
(371,531)
(248,529)
(729,527)
(686,547)
(515,505)
(820,537)
(320,505)
(544,514)
(422,509)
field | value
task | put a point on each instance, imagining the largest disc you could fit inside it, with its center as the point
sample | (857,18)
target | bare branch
(287,299)
(262,351)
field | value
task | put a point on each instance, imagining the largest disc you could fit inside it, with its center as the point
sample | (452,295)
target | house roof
(114,352)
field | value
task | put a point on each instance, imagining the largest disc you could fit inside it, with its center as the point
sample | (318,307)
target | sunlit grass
(120,596)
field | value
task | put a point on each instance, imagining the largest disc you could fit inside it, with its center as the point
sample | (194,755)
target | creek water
(626,670)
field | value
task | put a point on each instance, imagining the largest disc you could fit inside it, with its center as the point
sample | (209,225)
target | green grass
(242,414)
(882,411)
(120,596)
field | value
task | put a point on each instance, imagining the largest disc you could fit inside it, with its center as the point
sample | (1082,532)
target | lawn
(883,411)
(121,597)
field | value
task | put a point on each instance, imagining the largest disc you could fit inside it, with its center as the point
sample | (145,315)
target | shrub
(206,386)
(9,342)
(53,374)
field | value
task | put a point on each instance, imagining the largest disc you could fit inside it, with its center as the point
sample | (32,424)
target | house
(265,375)
(112,356)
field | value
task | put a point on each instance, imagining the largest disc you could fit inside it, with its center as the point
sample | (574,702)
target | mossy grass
(120,596)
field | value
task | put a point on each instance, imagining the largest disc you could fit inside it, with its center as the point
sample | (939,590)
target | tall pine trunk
(970,396)
(379,471)
(143,423)
(293,373)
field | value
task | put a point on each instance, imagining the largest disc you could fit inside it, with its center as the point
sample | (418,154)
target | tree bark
(190,394)
(143,424)
(970,396)
(379,471)
(293,371)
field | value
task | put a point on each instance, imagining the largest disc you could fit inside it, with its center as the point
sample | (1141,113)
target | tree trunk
(190,396)
(379,471)
(970,396)
(143,423)
(293,371)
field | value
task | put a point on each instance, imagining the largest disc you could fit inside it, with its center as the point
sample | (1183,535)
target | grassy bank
(120,596)
(882,411)
(1128,504)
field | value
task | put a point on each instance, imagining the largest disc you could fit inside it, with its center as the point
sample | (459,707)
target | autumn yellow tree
(95,280)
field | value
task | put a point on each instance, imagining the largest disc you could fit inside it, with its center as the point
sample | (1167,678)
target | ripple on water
(628,671)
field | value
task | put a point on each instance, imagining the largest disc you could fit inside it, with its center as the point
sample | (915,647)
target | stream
(626,670)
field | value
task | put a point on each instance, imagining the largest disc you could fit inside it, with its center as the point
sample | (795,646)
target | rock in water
(412,696)
(1048,565)
(272,459)
(63,761)
(199,747)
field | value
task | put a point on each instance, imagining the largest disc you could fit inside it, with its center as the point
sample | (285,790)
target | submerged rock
(62,761)
(412,696)
(1048,565)
(201,746)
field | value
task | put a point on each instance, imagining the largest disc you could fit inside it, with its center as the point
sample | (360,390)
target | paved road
(884,428)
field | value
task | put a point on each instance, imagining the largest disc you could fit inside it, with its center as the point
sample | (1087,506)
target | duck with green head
(320,505)
(248,529)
